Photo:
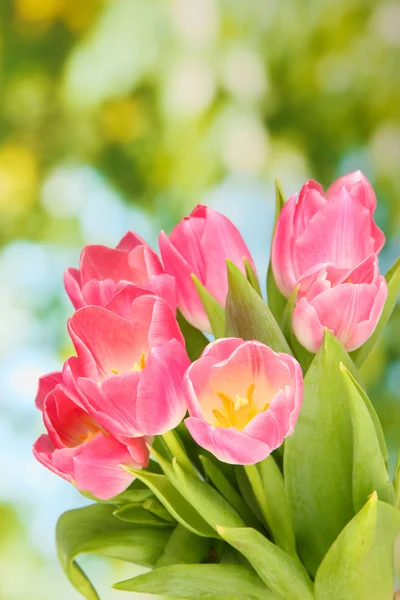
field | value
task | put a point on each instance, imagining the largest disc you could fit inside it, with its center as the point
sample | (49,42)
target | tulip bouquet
(228,444)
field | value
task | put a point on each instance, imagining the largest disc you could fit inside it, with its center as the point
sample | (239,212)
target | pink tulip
(105,271)
(200,245)
(243,399)
(348,303)
(79,450)
(316,232)
(128,372)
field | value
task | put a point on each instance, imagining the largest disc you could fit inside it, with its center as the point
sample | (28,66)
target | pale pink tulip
(105,271)
(128,372)
(200,245)
(331,231)
(348,303)
(243,399)
(79,450)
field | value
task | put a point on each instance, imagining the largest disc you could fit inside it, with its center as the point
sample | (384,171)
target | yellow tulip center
(138,365)
(237,412)
(92,430)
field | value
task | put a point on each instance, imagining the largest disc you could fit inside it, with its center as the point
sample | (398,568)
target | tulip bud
(316,231)
(327,246)
(200,245)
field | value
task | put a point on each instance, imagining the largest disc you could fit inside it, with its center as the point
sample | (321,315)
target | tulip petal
(220,349)
(365,329)
(130,241)
(72,284)
(113,402)
(281,251)
(219,241)
(163,326)
(188,299)
(340,309)
(100,262)
(306,326)
(228,445)
(98,292)
(46,384)
(121,302)
(339,234)
(160,404)
(98,470)
(114,343)
(358,186)
(43,450)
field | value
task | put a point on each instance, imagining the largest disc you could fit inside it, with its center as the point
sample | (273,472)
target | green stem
(276,522)
(177,450)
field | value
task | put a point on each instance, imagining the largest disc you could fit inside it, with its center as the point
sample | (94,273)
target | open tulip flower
(129,372)
(243,399)
(78,449)
(199,245)
(253,454)
(105,271)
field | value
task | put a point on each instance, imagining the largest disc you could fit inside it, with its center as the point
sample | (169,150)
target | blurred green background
(118,114)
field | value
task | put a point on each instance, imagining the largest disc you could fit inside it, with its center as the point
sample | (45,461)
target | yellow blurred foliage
(18,178)
(35,11)
(77,14)
(122,120)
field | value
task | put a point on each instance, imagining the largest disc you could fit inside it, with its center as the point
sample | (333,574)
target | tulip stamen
(238,412)
(223,421)
(140,365)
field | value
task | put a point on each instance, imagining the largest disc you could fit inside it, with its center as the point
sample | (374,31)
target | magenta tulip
(243,399)
(105,271)
(317,231)
(128,372)
(79,450)
(200,245)
(348,303)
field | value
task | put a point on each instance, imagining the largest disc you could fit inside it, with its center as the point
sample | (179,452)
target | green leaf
(393,280)
(155,507)
(373,415)
(276,300)
(94,529)
(369,469)
(252,277)
(206,500)
(232,582)
(318,459)
(284,575)
(396,483)
(195,340)
(247,315)
(277,508)
(183,547)
(360,562)
(224,486)
(214,311)
(132,513)
(174,502)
